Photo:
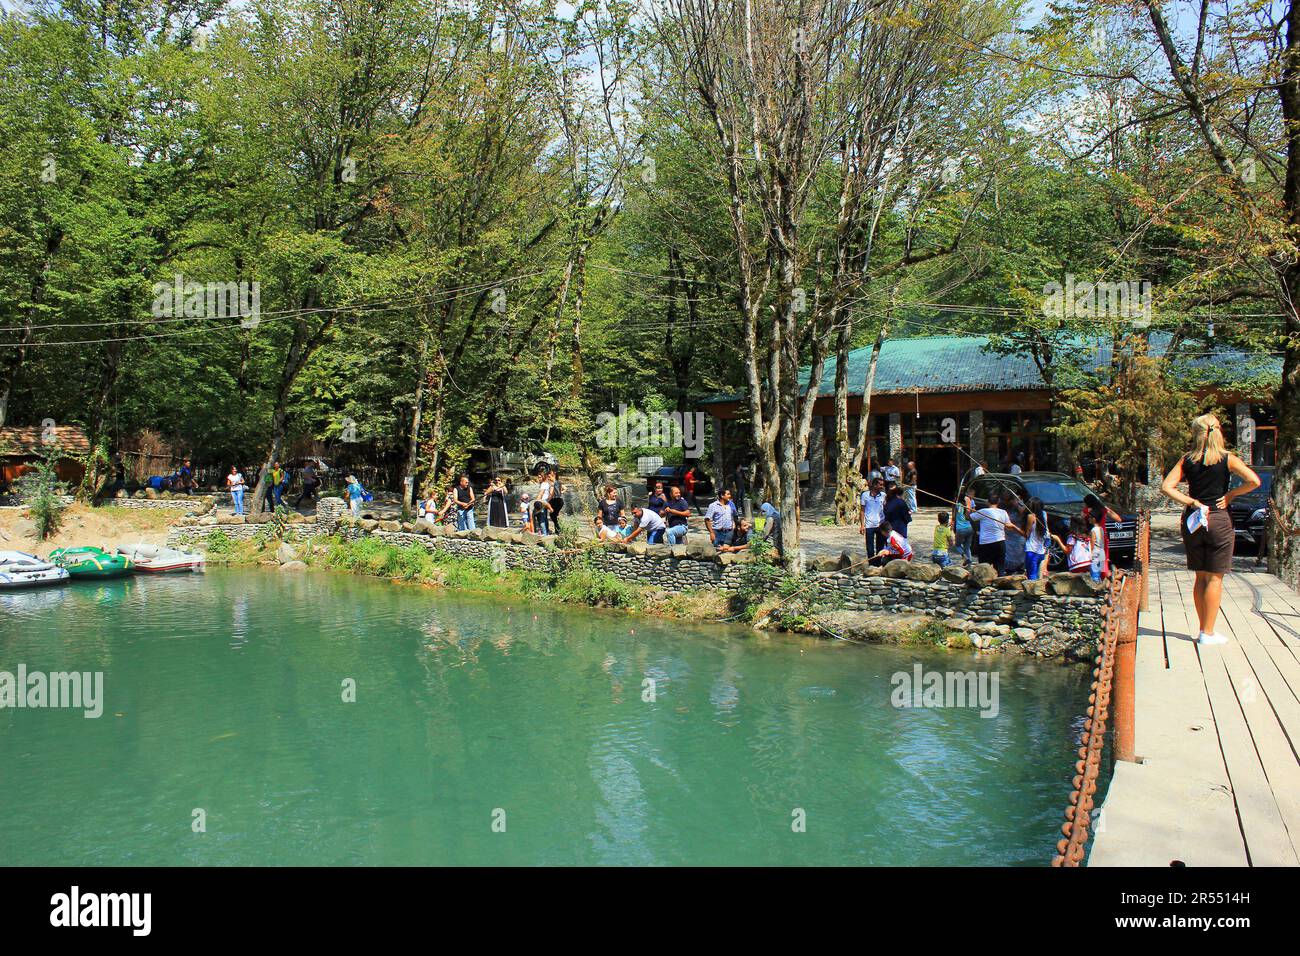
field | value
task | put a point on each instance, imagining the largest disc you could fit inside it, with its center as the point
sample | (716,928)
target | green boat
(91,562)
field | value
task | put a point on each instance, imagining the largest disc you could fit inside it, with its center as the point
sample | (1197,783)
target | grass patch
(151,519)
(576,582)
(695,605)
(220,548)
(910,631)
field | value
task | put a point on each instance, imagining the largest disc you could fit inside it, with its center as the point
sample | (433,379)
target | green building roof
(966,363)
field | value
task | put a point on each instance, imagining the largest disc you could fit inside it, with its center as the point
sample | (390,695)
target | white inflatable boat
(21,570)
(155,559)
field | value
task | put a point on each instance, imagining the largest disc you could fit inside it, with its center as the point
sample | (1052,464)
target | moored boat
(18,569)
(156,559)
(89,562)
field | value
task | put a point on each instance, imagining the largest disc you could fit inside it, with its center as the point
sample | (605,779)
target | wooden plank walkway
(1217,733)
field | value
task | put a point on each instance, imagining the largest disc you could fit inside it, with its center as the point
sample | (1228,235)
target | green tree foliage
(485,223)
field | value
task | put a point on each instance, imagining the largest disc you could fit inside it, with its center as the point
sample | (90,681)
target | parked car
(674,474)
(1250,512)
(1062,498)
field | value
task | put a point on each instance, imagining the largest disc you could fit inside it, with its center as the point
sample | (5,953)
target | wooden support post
(1123,678)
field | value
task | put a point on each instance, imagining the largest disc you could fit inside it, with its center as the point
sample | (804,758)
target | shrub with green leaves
(40,489)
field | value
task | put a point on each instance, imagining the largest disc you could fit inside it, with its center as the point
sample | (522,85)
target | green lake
(497,731)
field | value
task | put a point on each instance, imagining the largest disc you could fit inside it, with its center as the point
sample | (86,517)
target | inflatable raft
(155,559)
(92,562)
(21,570)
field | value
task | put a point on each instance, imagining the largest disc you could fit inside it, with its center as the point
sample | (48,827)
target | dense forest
(420,226)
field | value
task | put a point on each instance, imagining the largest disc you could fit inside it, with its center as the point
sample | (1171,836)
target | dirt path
(106,528)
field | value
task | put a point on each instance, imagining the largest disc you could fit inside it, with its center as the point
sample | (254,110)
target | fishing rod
(1004,524)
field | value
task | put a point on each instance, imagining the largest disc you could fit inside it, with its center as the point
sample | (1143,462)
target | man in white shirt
(649,522)
(991,522)
(892,472)
(872,501)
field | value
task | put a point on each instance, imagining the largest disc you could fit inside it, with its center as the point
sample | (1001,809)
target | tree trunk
(1283,556)
(433,444)
(300,350)
(413,438)
(95,433)
(850,456)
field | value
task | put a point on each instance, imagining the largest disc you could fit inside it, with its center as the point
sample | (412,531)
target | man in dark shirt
(464,505)
(677,513)
(309,484)
(739,540)
(896,511)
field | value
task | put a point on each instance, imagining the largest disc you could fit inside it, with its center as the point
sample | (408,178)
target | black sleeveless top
(1206,483)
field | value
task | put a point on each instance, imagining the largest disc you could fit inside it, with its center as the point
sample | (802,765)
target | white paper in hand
(1197,519)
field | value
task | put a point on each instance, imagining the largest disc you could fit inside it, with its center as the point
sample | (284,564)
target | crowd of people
(1012,535)
(539,514)
(276,491)
(663,518)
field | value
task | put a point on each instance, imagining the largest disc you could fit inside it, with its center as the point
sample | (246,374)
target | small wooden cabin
(21,446)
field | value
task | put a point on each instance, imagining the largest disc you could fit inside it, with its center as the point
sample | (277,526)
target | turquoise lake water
(223,693)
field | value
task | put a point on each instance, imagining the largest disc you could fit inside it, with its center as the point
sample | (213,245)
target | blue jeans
(874,541)
(773,533)
(541,521)
(464,519)
(940,558)
(1033,562)
(909,495)
(655,537)
(722,537)
(963,544)
(238,495)
(676,534)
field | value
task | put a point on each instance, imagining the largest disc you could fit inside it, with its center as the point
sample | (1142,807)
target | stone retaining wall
(198,503)
(1029,615)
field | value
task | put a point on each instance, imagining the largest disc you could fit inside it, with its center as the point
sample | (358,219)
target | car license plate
(1122,536)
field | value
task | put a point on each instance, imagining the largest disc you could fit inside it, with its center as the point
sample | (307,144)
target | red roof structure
(26,441)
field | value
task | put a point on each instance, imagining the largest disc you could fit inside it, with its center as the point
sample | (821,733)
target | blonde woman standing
(1208,536)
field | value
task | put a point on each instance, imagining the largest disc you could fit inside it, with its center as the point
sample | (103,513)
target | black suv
(1250,512)
(674,475)
(1062,498)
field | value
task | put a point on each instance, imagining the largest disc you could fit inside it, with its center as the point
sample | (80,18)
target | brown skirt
(1210,548)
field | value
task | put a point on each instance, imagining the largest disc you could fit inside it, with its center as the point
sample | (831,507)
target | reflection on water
(601,740)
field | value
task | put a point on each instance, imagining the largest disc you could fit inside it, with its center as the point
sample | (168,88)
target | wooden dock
(1217,733)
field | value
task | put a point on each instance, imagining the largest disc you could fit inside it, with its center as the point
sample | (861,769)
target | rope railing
(1119,627)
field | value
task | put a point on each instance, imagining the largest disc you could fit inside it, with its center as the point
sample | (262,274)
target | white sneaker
(1204,638)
